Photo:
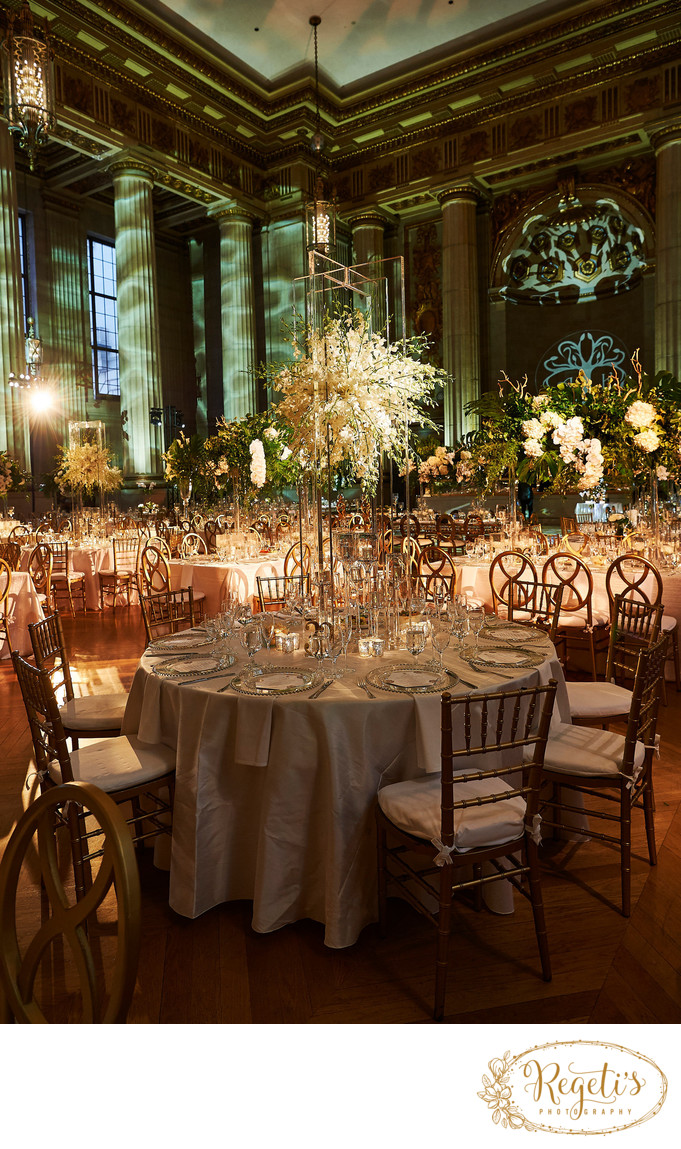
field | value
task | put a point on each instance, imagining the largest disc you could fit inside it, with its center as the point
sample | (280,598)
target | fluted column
(368,231)
(667,144)
(69,366)
(460,307)
(138,339)
(237,303)
(13,415)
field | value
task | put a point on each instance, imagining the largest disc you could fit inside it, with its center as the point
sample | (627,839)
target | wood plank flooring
(216,969)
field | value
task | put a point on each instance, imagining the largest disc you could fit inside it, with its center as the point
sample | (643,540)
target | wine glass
(440,635)
(268,626)
(476,621)
(344,622)
(415,640)
(252,639)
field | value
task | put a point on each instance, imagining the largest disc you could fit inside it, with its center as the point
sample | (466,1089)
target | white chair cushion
(586,750)
(94,712)
(118,763)
(598,699)
(578,618)
(414,807)
(669,623)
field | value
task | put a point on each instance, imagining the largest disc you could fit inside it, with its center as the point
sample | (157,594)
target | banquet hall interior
(500,180)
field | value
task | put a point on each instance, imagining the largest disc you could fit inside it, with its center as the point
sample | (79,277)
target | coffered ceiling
(272,39)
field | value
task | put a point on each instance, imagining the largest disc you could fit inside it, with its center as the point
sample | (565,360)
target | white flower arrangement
(352,396)
(641,415)
(436,466)
(258,464)
(585,455)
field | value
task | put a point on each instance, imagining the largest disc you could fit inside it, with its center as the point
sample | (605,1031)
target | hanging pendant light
(320,213)
(29,88)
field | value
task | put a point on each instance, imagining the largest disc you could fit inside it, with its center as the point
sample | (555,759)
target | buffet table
(275,796)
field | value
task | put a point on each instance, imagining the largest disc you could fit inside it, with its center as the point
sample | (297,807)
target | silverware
(321,689)
(363,683)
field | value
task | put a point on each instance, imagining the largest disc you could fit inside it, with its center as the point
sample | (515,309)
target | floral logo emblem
(498,1095)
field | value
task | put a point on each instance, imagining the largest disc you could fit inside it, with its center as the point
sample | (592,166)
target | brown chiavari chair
(164,611)
(64,579)
(449,534)
(534,605)
(473,527)
(616,768)
(634,626)
(92,716)
(273,590)
(411,550)
(30,983)
(40,570)
(435,573)
(568,523)
(638,578)
(480,808)
(578,623)
(410,525)
(506,569)
(121,579)
(19,534)
(125,768)
(210,533)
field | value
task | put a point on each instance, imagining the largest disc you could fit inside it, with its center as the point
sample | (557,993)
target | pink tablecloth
(214,579)
(88,559)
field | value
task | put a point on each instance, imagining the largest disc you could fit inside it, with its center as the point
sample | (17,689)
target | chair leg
(477,896)
(444,924)
(625,846)
(537,900)
(677,661)
(649,815)
(382,882)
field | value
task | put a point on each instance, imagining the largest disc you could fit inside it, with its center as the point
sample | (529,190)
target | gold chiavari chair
(64,579)
(40,570)
(636,577)
(121,579)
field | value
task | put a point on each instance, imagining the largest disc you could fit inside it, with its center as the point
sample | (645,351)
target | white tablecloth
(23,607)
(275,797)
(216,578)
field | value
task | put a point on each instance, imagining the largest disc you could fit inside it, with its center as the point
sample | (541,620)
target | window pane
(103,317)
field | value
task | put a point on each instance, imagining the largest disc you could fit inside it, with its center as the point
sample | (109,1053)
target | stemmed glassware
(476,621)
(440,634)
(345,626)
(252,639)
(268,626)
(415,639)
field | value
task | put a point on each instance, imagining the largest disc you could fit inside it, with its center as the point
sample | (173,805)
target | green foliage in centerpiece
(577,434)
(242,444)
(11,475)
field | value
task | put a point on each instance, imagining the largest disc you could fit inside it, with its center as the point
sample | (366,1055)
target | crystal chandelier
(320,214)
(29,90)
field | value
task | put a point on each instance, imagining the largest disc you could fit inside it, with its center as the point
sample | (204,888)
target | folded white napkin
(497,657)
(277,681)
(409,678)
(199,664)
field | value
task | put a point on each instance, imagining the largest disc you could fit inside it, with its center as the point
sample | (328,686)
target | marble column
(138,335)
(460,307)
(70,355)
(14,435)
(667,144)
(284,259)
(237,302)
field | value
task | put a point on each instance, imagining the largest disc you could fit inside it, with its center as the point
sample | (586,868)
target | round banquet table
(215,579)
(275,796)
(23,607)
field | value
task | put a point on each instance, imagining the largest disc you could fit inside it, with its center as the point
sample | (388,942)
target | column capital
(661,135)
(129,164)
(466,192)
(230,211)
(368,219)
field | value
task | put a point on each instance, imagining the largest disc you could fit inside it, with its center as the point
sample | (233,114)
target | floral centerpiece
(574,435)
(255,450)
(186,464)
(86,466)
(349,395)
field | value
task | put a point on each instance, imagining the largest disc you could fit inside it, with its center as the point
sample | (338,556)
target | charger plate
(511,634)
(180,643)
(505,657)
(405,678)
(193,665)
(277,680)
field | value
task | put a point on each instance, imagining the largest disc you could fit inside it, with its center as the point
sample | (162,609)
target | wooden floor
(216,969)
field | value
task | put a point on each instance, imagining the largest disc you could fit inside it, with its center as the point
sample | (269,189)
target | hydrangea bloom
(640,414)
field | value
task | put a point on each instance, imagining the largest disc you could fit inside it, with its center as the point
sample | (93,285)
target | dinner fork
(321,689)
(363,683)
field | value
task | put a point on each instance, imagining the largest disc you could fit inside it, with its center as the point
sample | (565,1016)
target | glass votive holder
(365,647)
(377,646)
(287,643)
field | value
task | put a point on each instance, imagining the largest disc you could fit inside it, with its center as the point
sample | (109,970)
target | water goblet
(344,623)
(476,621)
(415,640)
(440,635)
(268,626)
(252,639)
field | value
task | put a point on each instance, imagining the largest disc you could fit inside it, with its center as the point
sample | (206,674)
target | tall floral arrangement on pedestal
(577,434)
(86,467)
(349,396)
(254,448)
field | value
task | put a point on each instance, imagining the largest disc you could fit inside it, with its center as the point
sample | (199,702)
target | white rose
(648,441)
(640,414)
